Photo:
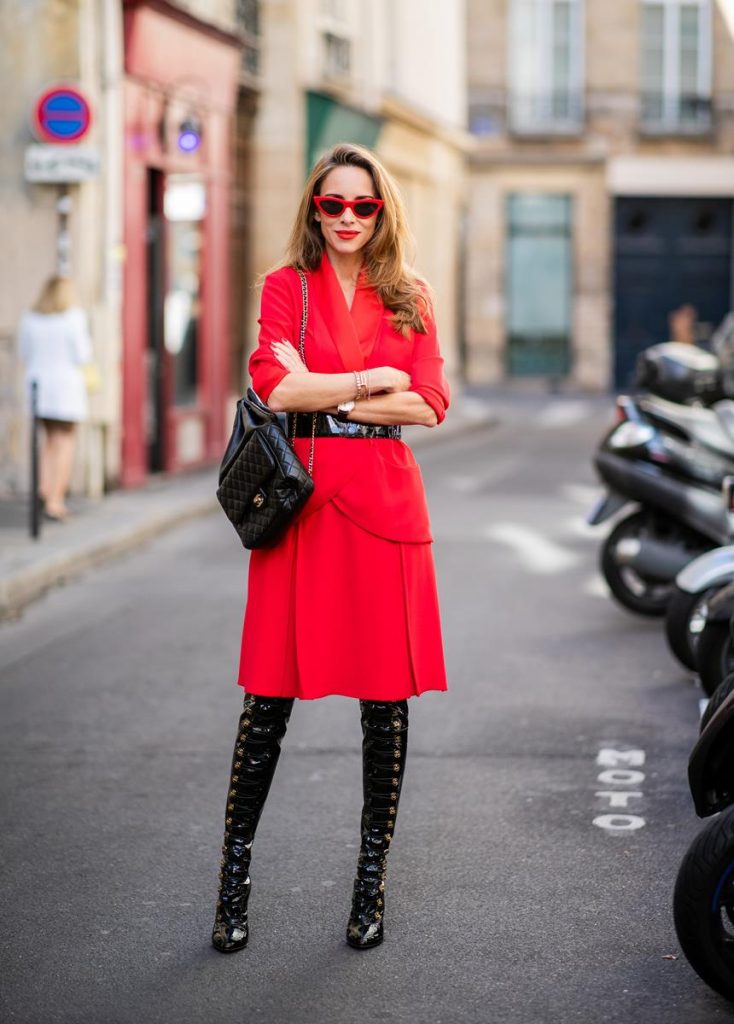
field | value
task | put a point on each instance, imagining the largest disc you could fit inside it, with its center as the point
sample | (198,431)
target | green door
(538,284)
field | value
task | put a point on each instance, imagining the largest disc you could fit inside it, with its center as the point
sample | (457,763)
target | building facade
(390,74)
(150,233)
(601,182)
(206,117)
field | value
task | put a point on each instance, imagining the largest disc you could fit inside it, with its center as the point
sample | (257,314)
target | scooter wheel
(703,904)
(722,691)
(714,655)
(684,623)
(634,591)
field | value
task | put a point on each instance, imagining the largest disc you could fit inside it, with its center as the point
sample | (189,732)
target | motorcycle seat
(707,426)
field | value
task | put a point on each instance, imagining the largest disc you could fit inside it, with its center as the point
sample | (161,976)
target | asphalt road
(505,901)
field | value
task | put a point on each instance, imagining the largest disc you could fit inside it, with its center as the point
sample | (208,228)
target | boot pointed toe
(364,935)
(228,938)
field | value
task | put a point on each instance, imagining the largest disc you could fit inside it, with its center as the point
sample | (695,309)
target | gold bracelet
(359,377)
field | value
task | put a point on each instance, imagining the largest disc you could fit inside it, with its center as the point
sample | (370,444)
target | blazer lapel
(367,315)
(336,316)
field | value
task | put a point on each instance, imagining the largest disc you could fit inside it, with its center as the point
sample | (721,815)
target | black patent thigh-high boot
(262,725)
(385,743)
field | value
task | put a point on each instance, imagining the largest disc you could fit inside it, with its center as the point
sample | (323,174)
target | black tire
(714,655)
(634,591)
(720,694)
(703,904)
(684,621)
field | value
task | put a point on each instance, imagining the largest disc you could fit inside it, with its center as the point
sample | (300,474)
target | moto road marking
(621,770)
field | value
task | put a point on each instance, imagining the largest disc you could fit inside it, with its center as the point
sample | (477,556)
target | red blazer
(376,482)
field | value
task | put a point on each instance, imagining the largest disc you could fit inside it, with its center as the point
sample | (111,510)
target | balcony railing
(554,112)
(681,114)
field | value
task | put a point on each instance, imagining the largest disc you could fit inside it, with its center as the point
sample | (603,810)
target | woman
(346,602)
(54,345)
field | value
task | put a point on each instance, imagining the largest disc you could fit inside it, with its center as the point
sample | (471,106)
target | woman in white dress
(54,345)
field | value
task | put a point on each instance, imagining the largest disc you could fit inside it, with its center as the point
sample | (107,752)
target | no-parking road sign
(62,114)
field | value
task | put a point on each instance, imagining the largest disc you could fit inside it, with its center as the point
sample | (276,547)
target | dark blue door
(668,252)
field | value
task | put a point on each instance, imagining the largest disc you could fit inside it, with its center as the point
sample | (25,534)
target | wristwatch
(343,409)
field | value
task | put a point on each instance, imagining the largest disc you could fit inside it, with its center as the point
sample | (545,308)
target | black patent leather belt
(329,426)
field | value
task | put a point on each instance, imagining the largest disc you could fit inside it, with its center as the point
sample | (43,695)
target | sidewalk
(123,520)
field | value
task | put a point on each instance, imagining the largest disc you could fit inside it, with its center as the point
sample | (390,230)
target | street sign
(62,115)
(61,163)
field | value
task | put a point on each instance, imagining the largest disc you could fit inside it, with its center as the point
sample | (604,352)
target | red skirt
(336,609)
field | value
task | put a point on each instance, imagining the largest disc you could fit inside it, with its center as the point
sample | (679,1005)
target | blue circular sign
(62,114)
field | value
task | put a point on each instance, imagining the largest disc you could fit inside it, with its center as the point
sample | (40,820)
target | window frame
(520,123)
(672,121)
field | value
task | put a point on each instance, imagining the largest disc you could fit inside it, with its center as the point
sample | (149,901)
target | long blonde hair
(400,289)
(56,296)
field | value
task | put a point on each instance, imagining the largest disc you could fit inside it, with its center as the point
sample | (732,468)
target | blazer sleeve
(277,313)
(427,369)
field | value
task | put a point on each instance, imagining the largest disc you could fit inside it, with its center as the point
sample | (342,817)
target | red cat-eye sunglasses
(332,206)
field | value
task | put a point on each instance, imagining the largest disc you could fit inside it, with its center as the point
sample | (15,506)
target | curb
(19,589)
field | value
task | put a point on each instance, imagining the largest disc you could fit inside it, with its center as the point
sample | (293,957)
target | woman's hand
(288,356)
(388,378)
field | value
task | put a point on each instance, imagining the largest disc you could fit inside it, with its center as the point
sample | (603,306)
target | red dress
(346,602)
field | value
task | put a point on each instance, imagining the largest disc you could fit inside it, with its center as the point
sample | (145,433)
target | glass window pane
(561,60)
(184,204)
(539,283)
(689,49)
(653,60)
(526,58)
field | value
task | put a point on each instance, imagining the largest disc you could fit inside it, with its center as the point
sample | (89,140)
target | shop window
(539,269)
(546,66)
(676,66)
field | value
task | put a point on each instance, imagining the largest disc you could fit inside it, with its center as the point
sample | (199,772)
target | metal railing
(682,113)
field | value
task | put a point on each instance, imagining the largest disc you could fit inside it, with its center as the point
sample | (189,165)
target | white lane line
(582,494)
(577,526)
(596,587)
(536,552)
(563,413)
(472,483)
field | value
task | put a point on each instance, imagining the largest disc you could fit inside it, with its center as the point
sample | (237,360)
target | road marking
(620,768)
(563,413)
(536,552)
(472,483)
(578,526)
(582,494)
(596,587)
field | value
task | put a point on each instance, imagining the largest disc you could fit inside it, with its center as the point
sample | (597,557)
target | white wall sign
(60,164)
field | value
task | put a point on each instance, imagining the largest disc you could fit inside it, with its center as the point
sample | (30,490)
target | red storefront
(179,97)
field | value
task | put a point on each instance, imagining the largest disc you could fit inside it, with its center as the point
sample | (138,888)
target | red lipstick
(347,234)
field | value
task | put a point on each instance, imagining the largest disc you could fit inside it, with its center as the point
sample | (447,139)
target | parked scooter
(715,651)
(695,586)
(670,461)
(703,900)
